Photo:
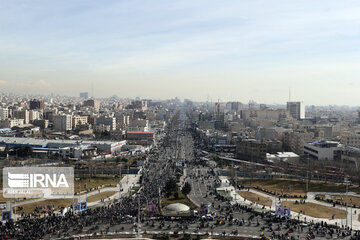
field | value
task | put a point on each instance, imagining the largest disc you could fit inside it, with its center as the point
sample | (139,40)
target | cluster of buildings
(81,123)
(256,132)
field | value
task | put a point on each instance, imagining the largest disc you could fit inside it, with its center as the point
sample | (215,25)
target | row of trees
(171,187)
(19,151)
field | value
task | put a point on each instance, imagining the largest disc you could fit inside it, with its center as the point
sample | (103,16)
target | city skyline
(198,50)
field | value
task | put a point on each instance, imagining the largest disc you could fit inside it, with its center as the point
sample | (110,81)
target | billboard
(204,208)
(77,207)
(283,211)
(152,208)
(83,206)
(6,215)
(179,164)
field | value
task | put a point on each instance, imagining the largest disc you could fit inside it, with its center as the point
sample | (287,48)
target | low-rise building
(323,150)
(350,156)
(78,152)
(140,138)
(10,123)
(295,141)
(105,146)
(284,157)
(351,138)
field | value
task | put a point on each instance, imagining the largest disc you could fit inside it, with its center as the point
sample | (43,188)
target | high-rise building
(4,113)
(296,109)
(34,115)
(84,95)
(92,103)
(79,120)
(138,104)
(63,123)
(109,121)
(36,104)
(22,114)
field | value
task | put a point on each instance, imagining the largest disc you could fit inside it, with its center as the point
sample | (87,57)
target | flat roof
(44,142)
(286,154)
(24,141)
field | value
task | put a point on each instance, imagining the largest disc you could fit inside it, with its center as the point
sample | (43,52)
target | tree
(186,189)
(176,195)
(23,151)
(171,186)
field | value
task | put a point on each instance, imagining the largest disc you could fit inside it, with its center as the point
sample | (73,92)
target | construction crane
(217,106)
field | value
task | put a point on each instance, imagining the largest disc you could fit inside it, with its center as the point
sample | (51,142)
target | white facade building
(34,115)
(9,123)
(4,113)
(323,150)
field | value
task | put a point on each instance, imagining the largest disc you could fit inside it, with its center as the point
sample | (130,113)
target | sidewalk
(310,199)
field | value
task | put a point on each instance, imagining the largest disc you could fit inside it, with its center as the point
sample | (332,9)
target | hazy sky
(232,50)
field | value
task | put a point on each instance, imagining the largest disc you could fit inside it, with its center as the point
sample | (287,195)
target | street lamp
(346,201)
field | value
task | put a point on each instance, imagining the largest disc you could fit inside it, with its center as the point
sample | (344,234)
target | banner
(286,212)
(278,211)
(179,164)
(83,206)
(77,207)
(6,215)
(152,208)
(283,211)
(203,209)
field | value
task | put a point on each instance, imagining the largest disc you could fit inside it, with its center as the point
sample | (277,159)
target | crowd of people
(337,202)
(156,172)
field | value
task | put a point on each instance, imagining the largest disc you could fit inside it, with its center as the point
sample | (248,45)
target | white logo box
(38,182)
